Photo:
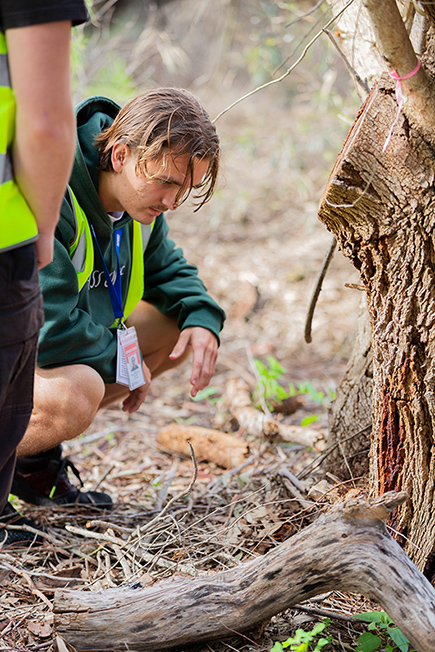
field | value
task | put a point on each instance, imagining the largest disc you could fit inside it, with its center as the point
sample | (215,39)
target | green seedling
(383,635)
(207,393)
(304,641)
(272,389)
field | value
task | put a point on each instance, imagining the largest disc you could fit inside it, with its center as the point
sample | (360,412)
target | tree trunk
(379,204)
(348,549)
(350,415)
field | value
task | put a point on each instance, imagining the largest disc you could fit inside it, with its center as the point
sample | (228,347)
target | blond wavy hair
(165,122)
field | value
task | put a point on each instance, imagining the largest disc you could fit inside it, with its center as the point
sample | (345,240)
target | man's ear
(120,152)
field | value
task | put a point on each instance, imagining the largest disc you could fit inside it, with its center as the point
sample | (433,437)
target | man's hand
(136,397)
(204,346)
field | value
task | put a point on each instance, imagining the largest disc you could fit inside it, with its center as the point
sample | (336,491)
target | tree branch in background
(290,70)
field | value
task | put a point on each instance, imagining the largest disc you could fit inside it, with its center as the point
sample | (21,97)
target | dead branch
(208,444)
(317,289)
(347,549)
(257,423)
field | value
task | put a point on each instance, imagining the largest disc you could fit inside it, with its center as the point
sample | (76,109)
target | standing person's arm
(43,153)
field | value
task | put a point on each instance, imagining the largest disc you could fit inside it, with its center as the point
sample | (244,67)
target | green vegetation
(271,388)
(303,641)
(382,636)
(207,393)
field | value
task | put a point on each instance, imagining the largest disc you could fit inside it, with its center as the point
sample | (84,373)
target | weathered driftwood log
(348,549)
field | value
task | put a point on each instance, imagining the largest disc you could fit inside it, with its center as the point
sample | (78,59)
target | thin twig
(289,71)
(320,458)
(29,581)
(174,499)
(353,73)
(317,289)
(325,613)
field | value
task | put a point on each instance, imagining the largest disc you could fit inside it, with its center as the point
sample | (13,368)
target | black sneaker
(14,530)
(43,480)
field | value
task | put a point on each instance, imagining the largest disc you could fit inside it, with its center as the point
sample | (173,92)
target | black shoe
(12,537)
(43,480)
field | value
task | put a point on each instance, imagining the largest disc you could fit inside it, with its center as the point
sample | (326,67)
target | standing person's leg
(17,362)
(66,400)
(21,315)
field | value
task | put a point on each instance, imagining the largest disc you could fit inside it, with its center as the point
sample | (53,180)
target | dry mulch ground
(227,517)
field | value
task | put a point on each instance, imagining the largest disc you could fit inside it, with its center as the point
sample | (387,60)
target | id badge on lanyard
(128,362)
(129,369)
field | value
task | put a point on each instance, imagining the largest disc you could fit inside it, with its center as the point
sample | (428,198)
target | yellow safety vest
(17,222)
(82,254)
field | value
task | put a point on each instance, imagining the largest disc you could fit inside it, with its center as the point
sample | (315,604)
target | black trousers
(17,364)
(21,316)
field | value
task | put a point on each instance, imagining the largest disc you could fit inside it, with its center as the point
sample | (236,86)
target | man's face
(144,196)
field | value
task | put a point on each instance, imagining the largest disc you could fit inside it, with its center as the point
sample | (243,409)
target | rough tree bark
(380,207)
(348,549)
(350,415)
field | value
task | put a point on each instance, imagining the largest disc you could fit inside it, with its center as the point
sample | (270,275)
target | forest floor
(259,248)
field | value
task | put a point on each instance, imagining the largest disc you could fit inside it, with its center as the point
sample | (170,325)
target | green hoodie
(78,325)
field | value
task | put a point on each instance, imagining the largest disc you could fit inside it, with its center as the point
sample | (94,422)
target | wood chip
(209,445)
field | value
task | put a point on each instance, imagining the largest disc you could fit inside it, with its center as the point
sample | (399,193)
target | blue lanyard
(114,288)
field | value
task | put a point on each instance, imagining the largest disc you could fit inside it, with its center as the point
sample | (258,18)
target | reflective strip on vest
(82,249)
(82,254)
(17,223)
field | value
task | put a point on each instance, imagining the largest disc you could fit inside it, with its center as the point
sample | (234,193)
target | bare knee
(66,400)
(78,395)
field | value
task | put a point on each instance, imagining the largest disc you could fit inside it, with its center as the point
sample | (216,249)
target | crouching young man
(121,302)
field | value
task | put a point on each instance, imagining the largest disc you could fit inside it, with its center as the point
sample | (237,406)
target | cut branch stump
(348,549)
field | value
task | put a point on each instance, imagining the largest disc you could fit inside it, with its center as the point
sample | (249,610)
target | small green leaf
(372,616)
(277,648)
(204,393)
(306,421)
(368,642)
(399,638)
(318,628)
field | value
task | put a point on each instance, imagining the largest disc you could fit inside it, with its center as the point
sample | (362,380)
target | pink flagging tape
(399,97)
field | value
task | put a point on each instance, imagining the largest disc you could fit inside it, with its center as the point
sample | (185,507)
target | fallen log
(347,549)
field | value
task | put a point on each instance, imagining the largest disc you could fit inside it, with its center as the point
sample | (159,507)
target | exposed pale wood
(257,423)
(348,549)
(208,444)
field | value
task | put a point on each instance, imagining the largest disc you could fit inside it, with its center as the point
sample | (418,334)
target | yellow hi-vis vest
(17,223)
(82,254)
